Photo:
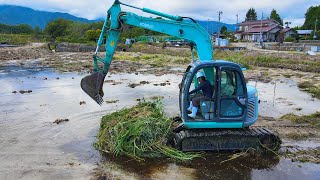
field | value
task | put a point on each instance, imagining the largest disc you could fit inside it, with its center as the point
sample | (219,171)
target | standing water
(33,147)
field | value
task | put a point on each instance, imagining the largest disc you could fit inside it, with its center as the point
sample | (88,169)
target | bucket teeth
(99,99)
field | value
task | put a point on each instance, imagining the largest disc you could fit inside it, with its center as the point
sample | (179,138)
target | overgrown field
(20,39)
(249,59)
(139,132)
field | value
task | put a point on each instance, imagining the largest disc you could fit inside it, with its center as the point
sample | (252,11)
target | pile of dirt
(25,52)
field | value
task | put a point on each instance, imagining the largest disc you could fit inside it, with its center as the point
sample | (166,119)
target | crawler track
(227,139)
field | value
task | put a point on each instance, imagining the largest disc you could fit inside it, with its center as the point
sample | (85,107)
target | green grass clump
(310,88)
(139,132)
(313,119)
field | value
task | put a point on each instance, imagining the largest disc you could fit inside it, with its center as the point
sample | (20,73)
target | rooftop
(284,30)
(257,22)
(304,31)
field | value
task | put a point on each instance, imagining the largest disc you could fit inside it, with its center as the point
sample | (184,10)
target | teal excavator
(223,121)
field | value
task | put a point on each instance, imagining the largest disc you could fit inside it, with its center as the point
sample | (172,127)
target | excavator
(223,121)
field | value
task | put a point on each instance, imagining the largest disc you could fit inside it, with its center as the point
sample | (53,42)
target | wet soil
(32,147)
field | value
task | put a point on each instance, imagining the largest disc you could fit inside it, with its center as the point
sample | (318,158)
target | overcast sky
(289,10)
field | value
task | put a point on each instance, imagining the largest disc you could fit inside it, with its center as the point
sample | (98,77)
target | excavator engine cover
(92,85)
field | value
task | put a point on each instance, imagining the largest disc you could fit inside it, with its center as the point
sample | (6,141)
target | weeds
(313,119)
(250,60)
(310,88)
(311,156)
(139,132)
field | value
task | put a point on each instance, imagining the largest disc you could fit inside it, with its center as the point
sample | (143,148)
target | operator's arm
(197,89)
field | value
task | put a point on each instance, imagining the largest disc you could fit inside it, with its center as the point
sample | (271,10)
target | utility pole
(287,23)
(261,39)
(315,29)
(220,13)
(237,18)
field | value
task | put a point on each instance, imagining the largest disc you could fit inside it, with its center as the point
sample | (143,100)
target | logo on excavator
(148,26)
(112,43)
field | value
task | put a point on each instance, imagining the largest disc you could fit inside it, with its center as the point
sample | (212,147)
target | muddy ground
(167,67)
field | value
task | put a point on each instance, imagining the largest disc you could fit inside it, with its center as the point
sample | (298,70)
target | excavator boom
(182,27)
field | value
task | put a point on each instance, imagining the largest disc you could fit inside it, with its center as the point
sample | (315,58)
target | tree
(275,16)
(224,30)
(251,15)
(57,28)
(311,15)
(23,28)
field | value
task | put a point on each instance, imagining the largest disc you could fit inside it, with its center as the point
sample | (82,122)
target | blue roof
(304,31)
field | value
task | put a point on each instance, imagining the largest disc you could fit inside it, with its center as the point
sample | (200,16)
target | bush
(289,39)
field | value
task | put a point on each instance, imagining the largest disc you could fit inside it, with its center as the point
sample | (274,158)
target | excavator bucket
(93,85)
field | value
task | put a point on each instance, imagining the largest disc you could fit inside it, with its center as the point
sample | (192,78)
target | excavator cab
(228,105)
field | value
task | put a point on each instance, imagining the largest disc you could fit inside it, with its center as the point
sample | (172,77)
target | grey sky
(289,10)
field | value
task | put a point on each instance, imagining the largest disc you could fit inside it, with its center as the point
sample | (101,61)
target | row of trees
(252,15)
(62,30)
(69,31)
(311,15)
(18,29)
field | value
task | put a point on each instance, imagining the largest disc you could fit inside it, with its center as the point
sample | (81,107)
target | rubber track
(227,139)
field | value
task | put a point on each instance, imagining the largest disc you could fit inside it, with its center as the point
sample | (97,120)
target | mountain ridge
(15,15)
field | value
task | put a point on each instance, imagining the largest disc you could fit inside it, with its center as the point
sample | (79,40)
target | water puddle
(283,97)
(31,143)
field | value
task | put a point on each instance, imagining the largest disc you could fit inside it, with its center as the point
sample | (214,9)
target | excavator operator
(207,91)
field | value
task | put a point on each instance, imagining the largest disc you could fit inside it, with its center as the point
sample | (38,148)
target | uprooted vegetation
(311,156)
(312,119)
(139,132)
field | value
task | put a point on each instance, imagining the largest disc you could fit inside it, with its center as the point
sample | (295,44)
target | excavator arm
(182,27)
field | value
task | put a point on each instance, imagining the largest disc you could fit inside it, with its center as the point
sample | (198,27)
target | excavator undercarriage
(227,139)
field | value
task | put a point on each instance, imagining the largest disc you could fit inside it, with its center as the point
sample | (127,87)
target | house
(253,31)
(304,33)
(285,33)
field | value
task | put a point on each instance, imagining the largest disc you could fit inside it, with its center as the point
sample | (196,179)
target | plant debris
(112,82)
(162,84)
(133,85)
(112,101)
(23,91)
(139,132)
(311,156)
(309,87)
(58,121)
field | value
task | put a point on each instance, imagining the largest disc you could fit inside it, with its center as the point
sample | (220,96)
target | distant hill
(212,26)
(14,15)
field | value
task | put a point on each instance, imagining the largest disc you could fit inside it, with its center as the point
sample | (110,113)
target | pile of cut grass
(139,132)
